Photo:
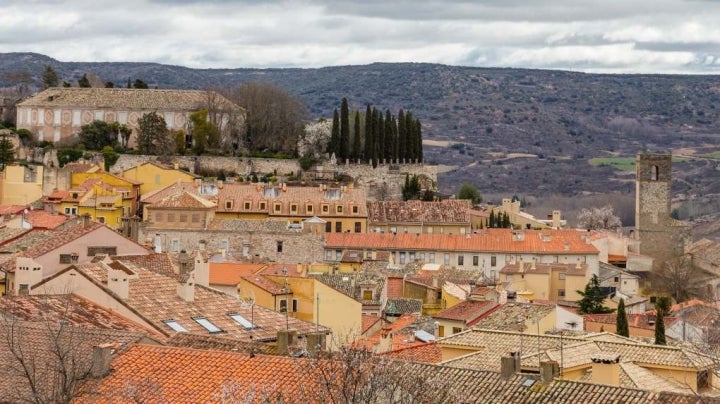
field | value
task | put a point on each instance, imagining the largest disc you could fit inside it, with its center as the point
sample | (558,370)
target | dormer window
(293,208)
(339,209)
(367,294)
(309,208)
(355,209)
(247,205)
(228,205)
(263,205)
(277,207)
(325,208)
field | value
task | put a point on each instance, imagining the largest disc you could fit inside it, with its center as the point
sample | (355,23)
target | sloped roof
(183,200)
(200,341)
(368,321)
(230,273)
(267,284)
(42,219)
(448,211)
(538,268)
(154,296)
(156,262)
(352,284)
(125,98)
(513,316)
(427,353)
(171,189)
(467,311)
(499,240)
(403,305)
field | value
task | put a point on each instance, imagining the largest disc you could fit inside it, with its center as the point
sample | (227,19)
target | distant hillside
(507,130)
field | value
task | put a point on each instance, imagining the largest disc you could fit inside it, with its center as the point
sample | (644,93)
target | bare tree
(274,119)
(602,218)
(681,279)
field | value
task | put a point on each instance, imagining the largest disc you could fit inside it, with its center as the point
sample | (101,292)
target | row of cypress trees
(375,136)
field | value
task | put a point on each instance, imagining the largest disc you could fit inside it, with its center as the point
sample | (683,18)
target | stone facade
(661,237)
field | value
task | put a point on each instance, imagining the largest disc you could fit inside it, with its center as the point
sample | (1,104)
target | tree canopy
(469,191)
(153,135)
(7,152)
(621,323)
(98,134)
(602,218)
(592,298)
(49,77)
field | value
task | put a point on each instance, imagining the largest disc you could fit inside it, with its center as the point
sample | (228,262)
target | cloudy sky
(637,36)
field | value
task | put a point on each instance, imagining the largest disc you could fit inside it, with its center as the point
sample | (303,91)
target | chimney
(386,340)
(101,358)
(285,339)
(315,343)
(507,366)
(118,279)
(435,282)
(201,270)
(176,166)
(606,369)
(548,371)
(186,287)
(556,217)
(184,262)
(86,220)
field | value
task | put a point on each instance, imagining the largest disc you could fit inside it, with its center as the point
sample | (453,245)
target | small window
(338,227)
(101,219)
(279,246)
(93,251)
(228,205)
(328,255)
(338,255)
(196,217)
(69,258)
(561,292)
(283,305)
(170,217)
(247,205)
(617,279)
(446,259)
(358,227)
(431,258)
(309,208)
(325,208)
(421,256)
(212,328)
(242,321)
(339,209)
(441,331)
(183,218)
(158,217)
(224,245)
(561,275)
(493,261)
(654,173)
(328,227)
(411,256)
(263,206)
(402,257)
(175,326)
(175,245)
(355,209)
(367,294)
(457,330)
(293,208)
(294,305)
(277,207)
(461,260)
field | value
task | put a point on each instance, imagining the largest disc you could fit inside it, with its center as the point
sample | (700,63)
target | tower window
(654,173)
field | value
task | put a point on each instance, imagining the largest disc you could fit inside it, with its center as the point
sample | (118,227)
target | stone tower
(661,237)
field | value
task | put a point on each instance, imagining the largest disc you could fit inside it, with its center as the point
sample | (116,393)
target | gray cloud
(663,36)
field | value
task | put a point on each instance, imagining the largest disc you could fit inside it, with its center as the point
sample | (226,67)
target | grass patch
(619,163)
(713,155)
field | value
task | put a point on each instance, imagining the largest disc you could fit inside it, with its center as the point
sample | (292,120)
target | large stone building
(58,112)
(661,237)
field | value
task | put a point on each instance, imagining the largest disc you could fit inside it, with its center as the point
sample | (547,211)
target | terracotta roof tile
(512,316)
(230,273)
(399,306)
(467,311)
(426,353)
(446,211)
(11,209)
(368,321)
(500,240)
(267,285)
(45,220)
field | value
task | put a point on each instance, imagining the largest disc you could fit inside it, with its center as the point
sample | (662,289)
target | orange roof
(163,374)
(267,285)
(399,340)
(426,353)
(230,273)
(45,220)
(500,240)
(368,321)
(616,258)
(11,209)
(467,311)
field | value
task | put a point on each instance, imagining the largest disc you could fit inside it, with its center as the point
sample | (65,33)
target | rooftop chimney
(315,343)
(101,358)
(118,279)
(606,369)
(201,270)
(548,371)
(386,340)
(509,365)
(285,339)
(186,287)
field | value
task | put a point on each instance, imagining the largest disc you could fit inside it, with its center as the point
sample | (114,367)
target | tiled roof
(154,296)
(162,167)
(37,342)
(11,209)
(71,309)
(449,211)
(368,321)
(499,240)
(25,241)
(352,256)
(171,189)
(402,331)
(183,200)
(352,284)
(467,311)
(156,262)
(8,233)
(634,320)
(267,226)
(395,287)
(230,273)
(533,268)
(239,193)
(161,374)
(403,305)
(267,285)
(513,316)
(200,341)
(426,353)
(124,98)
(42,219)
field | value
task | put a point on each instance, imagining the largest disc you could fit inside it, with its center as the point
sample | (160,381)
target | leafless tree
(274,119)
(681,279)
(599,219)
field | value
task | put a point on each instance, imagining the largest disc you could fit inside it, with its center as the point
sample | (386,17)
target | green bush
(66,155)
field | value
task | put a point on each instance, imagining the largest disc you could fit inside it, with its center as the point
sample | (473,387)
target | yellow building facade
(21,185)
(154,176)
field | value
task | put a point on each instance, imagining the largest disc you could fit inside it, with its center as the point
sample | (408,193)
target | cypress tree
(491,220)
(661,307)
(334,145)
(394,138)
(506,220)
(388,145)
(621,323)
(375,133)
(408,136)
(344,149)
(356,152)
(380,137)
(402,135)
(418,141)
(368,134)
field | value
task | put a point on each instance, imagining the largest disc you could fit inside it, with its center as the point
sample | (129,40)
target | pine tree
(84,81)
(7,152)
(621,323)
(49,77)
(368,134)
(334,145)
(592,298)
(344,149)
(356,152)
(129,84)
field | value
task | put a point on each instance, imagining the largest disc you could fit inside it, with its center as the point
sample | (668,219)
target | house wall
(187,219)
(227,289)
(339,312)
(21,185)
(249,291)
(78,178)
(685,377)
(100,237)
(564,319)
(417,228)
(451,352)
(154,177)
(573,283)
(448,325)
(592,326)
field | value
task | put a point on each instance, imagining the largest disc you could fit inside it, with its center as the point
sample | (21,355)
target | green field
(620,163)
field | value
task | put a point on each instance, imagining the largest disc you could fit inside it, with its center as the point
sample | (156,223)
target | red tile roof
(449,211)
(500,240)
(267,285)
(395,287)
(230,273)
(426,353)
(11,209)
(368,321)
(42,219)
(400,339)
(467,311)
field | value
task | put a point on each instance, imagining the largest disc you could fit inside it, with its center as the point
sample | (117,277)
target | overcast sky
(637,36)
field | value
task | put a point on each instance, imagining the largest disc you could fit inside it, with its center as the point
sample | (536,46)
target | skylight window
(242,321)
(212,328)
(175,326)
